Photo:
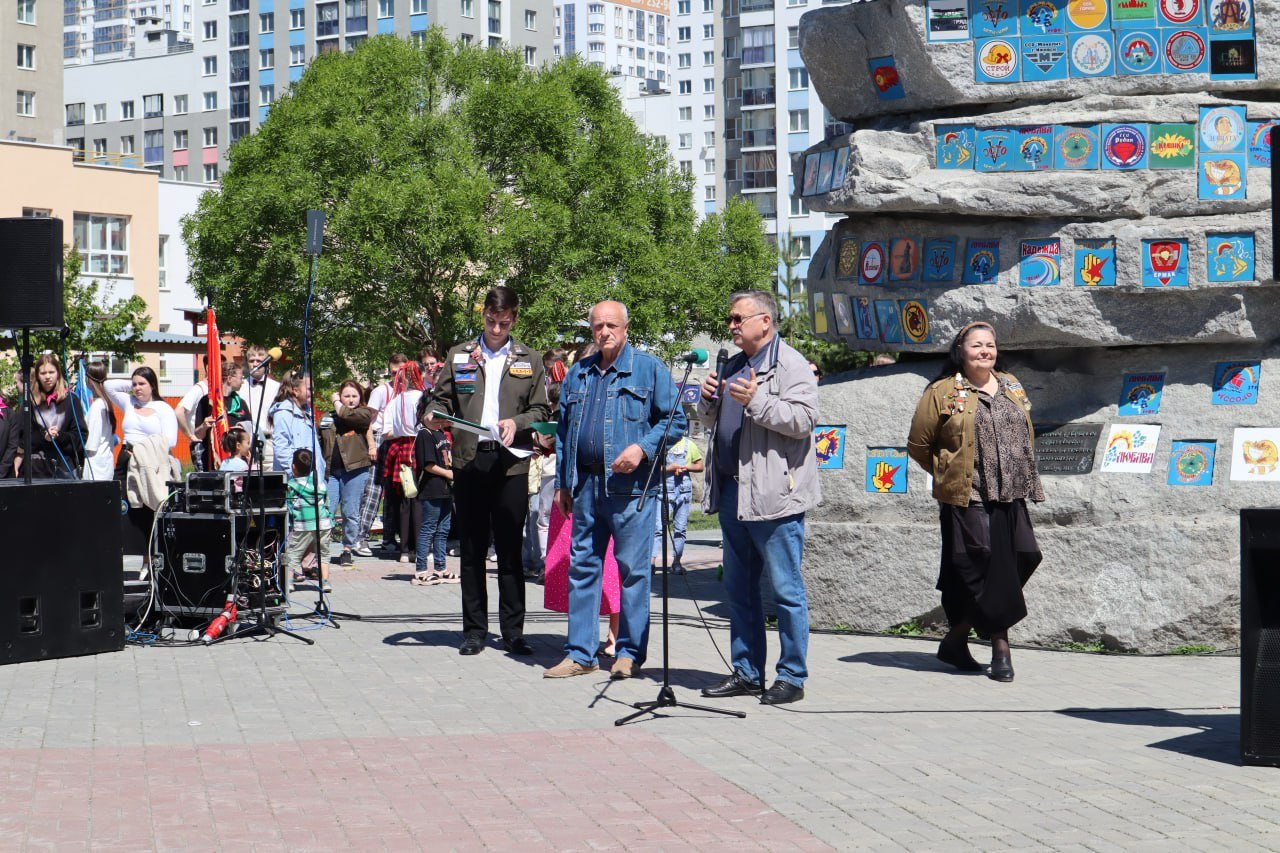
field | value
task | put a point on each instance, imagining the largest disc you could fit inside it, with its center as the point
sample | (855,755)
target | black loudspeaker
(31,273)
(1260,636)
(62,581)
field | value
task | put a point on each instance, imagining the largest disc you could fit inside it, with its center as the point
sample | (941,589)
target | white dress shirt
(494,364)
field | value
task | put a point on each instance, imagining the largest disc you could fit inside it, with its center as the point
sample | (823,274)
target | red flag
(213,373)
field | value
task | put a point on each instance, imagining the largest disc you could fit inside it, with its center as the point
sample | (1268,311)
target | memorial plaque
(1066,448)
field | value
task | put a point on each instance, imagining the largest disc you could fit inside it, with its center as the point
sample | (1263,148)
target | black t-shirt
(431,447)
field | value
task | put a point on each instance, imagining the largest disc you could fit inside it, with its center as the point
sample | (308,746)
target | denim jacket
(636,410)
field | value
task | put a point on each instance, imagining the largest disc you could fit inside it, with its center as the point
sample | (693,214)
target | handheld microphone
(273,354)
(694,356)
(722,359)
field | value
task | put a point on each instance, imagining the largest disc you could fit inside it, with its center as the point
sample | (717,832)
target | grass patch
(910,628)
(1193,649)
(698,521)
(1092,646)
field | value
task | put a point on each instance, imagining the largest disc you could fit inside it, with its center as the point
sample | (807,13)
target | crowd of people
(543,464)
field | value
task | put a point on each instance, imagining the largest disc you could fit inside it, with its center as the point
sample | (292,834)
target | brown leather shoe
(624,668)
(568,668)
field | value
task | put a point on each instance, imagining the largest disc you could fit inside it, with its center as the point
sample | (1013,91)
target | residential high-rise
(31,74)
(102,30)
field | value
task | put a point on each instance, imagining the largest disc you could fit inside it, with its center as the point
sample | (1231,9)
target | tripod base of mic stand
(667,699)
(263,628)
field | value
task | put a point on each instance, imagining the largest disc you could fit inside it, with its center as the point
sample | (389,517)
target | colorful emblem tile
(1042,18)
(1095,262)
(889,321)
(871,267)
(1222,177)
(1191,463)
(1223,130)
(915,320)
(885,78)
(1091,54)
(956,145)
(1140,394)
(1087,15)
(996,148)
(1173,146)
(847,259)
(1236,383)
(887,470)
(981,262)
(864,318)
(1039,263)
(988,18)
(1124,146)
(1044,58)
(1260,143)
(947,21)
(1180,13)
(1233,59)
(1075,147)
(996,60)
(938,261)
(1138,52)
(1186,51)
(1229,257)
(1164,263)
(904,259)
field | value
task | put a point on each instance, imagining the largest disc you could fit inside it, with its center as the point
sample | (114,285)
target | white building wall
(177,199)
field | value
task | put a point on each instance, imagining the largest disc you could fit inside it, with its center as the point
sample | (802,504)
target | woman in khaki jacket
(972,432)
(346,444)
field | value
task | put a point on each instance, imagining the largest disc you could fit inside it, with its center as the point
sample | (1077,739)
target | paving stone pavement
(381,737)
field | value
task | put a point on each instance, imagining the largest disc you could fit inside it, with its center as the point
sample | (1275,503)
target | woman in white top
(100,441)
(145,414)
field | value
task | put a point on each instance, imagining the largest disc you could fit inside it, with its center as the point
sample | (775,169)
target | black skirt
(135,522)
(989,551)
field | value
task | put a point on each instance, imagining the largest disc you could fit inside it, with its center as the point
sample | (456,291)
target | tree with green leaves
(444,169)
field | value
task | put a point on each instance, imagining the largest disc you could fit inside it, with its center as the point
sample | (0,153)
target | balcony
(238,6)
(495,25)
(238,39)
(765,138)
(239,75)
(358,24)
(153,155)
(758,97)
(762,55)
(326,28)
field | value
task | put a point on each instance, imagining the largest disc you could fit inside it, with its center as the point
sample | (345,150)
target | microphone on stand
(694,356)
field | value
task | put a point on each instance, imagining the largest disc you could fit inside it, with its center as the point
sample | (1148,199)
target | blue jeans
(433,535)
(346,487)
(680,502)
(751,548)
(596,517)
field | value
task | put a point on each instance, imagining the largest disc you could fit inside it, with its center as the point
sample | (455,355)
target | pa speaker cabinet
(31,273)
(62,580)
(1260,636)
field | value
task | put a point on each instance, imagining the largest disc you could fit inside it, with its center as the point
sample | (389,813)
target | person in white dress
(100,440)
(145,414)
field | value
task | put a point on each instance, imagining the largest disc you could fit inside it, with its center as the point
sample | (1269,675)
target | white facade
(698,88)
(100,30)
(177,199)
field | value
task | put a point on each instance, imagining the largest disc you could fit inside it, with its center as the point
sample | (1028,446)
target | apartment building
(30,74)
(103,30)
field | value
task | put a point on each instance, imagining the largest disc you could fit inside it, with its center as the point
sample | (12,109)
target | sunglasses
(738,319)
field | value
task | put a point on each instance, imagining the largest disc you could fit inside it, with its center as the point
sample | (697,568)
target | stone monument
(1093,178)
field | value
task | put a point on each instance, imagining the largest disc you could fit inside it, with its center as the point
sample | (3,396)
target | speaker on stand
(1260,637)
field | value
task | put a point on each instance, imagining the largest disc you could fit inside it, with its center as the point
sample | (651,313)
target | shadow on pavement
(1217,738)
(917,661)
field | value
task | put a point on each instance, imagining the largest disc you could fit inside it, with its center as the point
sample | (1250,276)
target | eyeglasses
(738,319)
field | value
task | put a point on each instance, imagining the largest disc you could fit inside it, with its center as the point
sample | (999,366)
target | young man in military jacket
(494,381)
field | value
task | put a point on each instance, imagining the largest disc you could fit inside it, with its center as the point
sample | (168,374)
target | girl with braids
(972,432)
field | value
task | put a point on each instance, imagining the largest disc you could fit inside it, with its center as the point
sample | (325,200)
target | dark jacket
(522,398)
(347,436)
(62,457)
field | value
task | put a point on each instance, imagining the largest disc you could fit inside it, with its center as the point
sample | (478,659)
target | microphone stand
(666,696)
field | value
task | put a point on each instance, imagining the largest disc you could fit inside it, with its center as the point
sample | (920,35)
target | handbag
(407,484)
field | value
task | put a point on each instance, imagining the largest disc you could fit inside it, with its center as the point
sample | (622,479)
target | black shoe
(453,551)
(957,655)
(518,646)
(471,646)
(1001,669)
(346,559)
(734,685)
(781,693)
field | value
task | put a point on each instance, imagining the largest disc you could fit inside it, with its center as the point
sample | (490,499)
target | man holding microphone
(762,477)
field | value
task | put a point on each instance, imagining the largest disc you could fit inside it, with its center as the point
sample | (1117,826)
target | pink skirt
(555,589)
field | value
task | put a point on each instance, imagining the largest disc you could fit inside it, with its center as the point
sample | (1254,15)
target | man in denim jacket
(762,477)
(613,406)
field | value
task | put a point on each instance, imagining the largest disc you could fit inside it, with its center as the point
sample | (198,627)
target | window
(495,16)
(796,2)
(801,246)
(103,243)
(708,57)
(210,137)
(179,104)
(732,88)
(530,56)
(99,113)
(100,147)
(730,47)
(686,113)
(708,31)
(164,245)
(683,7)
(153,146)
(757,45)
(793,38)
(759,128)
(419,7)
(75,114)
(267,22)
(685,60)
(731,128)
(210,30)
(210,101)
(266,95)
(152,106)
(179,173)
(126,110)
(709,84)
(686,87)
(684,33)
(210,173)
(759,170)
(757,87)
(798,120)
(798,207)
(26,103)
(26,11)
(709,192)
(686,140)
(297,55)
(267,58)
(709,138)
(27,56)
(709,166)
(797,79)
(180,140)
(530,19)
(297,19)
(210,66)
(126,145)
(709,111)
(686,167)
(36,213)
